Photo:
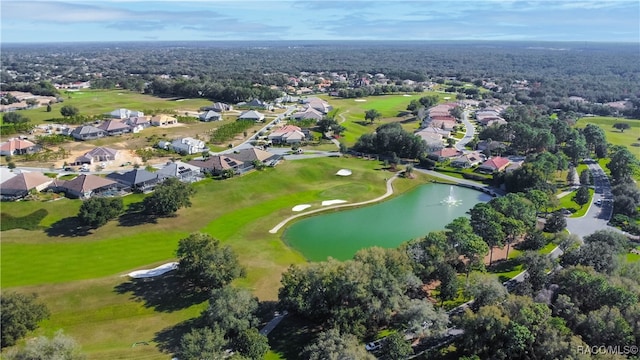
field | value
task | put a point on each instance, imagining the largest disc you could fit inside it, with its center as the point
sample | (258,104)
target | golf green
(387,224)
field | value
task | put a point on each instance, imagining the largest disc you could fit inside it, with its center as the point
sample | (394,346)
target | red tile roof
(497,163)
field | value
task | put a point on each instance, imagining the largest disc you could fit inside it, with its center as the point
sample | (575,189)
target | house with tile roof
(248,156)
(308,113)
(19,186)
(217,164)
(188,146)
(251,115)
(99,154)
(16,146)
(288,134)
(181,170)
(139,122)
(494,164)
(85,186)
(87,132)
(317,103)
(137,179)
(468,160)
(219,107)
(446,153)
(114,127)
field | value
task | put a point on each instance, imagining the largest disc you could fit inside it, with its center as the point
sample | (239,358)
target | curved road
(469,133)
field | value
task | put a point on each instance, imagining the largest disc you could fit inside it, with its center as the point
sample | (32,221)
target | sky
(25,21)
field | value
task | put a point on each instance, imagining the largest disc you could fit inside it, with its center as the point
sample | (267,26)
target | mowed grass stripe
(29,264)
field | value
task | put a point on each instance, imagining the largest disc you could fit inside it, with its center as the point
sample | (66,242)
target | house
(433,140)
(251,115)
(219,107)
(139,121)
(137,179)
(188,146)
(435,130)
(163,120)
(114,127)
(441,110)
(468,160)
(210,116)
(318,104)
(99,154)
(15,146)
(248,156)
(308,113)
(494,164)
(288,134)
(493,146)
(217,164)
(88,132)
(182,171)
(125,114)
(19,186)
(258,104)
(446,153)
(444,124)
(85,186)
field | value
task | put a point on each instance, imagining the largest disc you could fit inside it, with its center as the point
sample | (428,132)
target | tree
(11,165)
(69,111)
(538,198)
(14,118)
(203,343)
(448,283)
(594,135)
(343,148)
(486,289)
(232,310)
(48,107)
(252,344)
(420,318)
(537,266)
(372,115)
(206,263)
(60,346)
(622,165)
(331,344)
(556,222)
(513,228)
(486,223)
(621,126)
(97,211)
(168,197)
(572,175)
(582,196)
(585,177)
(20,314)
(396,347)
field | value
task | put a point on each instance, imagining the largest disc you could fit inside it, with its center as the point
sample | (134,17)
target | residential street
(470,132)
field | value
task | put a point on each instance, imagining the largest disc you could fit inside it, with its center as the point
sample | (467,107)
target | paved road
(470,132)
(597,216)
(247,143)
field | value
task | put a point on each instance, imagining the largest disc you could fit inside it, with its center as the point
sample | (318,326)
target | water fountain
(451,200)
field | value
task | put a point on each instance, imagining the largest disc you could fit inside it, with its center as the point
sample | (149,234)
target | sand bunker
(300,207)
(139,274)
(333,202)
(407,95)
(360,100)
(447,97)
(343,172)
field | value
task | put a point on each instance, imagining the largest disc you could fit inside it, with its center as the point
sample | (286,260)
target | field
(95,102)
(79,277)
(614,136)
(392,108)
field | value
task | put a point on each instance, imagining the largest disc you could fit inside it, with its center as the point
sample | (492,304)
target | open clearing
(79,277)
(614,136)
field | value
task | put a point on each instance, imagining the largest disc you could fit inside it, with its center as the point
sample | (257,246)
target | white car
(374,345)
(598,202)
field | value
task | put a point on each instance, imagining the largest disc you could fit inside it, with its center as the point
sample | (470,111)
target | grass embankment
(78,277)
(392,108)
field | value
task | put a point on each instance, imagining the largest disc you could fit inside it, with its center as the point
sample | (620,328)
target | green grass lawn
(614,136)
(547,248)
(79,277)
(568,203)
(95,102)
(390,106)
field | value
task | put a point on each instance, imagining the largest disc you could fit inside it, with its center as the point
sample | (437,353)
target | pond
(387,224)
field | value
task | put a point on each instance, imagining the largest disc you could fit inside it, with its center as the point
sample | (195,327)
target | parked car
(374,345)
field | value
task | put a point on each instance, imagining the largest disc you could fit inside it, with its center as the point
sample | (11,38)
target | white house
(188,145)
(251,115)
(210,116)
(125,113)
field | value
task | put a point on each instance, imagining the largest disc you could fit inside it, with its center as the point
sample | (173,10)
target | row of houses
(117,126)
(18,185)
(465,160)
(490,116)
